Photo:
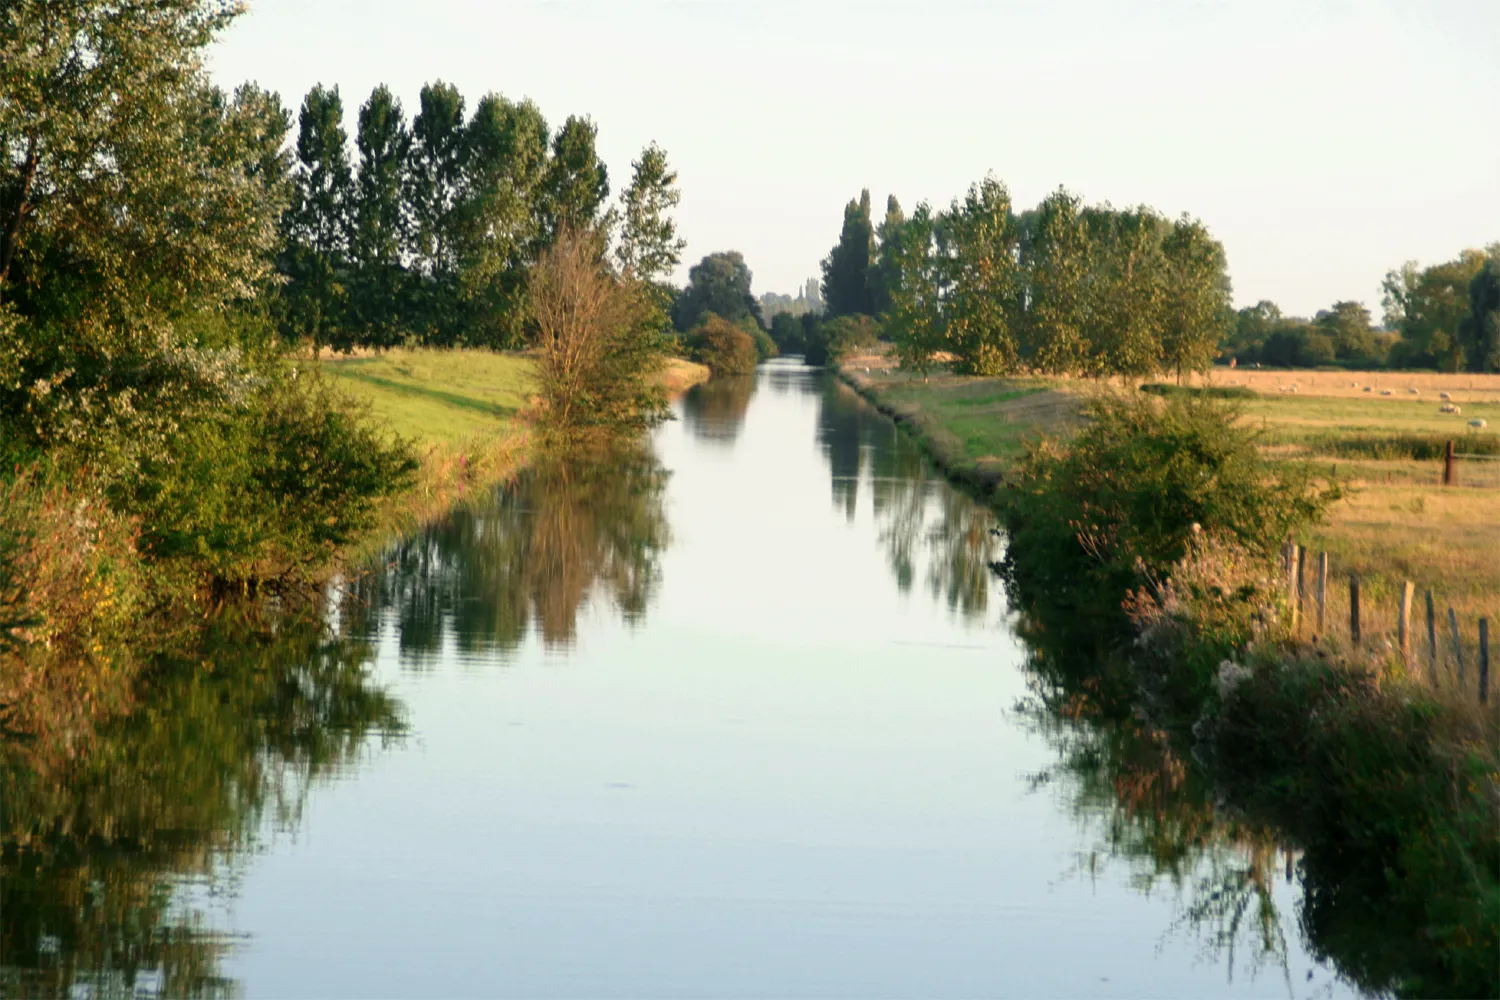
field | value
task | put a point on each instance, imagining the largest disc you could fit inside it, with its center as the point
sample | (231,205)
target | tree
(107,127)
(846,270)
(1196,310)
(883,276)
(915,320)
(648,246)
(1427,305)
(1057,265)
(577,183)
(497,223)
(379,221)
(1479,332)
(315,258)
(597,348)
(982,273)
(725,348)
(719,284)
(434,185)
(1127,291)
(786,331)
(1347,324)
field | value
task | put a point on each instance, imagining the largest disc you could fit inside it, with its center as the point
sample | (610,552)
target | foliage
(598,342)
(727,349)
(787,333)
(1479,331)
(718,284)
(984,306)
(1207,391)
(1118,506)
(915,317)
(649,247)
(846,269)
(829,342)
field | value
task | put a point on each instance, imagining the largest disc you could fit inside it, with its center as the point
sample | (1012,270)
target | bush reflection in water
(99,846)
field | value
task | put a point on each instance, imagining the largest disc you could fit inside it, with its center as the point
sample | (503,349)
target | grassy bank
(465,412)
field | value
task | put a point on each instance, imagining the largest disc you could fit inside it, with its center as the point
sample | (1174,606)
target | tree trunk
(12,237)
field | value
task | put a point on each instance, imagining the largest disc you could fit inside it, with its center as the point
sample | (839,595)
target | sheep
(1385,392)
(1445,395)
(1367,388)
(1479,424)
(1449,408)
(1414,392)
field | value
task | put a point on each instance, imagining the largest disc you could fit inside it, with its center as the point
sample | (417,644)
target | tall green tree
(982,273)
(379,219)
(318,224)
(1347,324)
(1427,305)
(718,284)
(1196,305)
(846,269)
(914,321)
(577,182)
(1479,332)
(883,276)
(434,191)
(1127,291)
(497,227)
(648,246)
(1058,265)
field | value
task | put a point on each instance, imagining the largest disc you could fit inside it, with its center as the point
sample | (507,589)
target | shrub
(765,347)
(830,342)
(1117,507)
(724,347)
(1206,391)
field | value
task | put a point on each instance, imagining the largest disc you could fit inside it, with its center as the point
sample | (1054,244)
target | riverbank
(1388,783)
(464,412)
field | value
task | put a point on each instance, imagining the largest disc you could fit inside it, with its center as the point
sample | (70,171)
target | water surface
(740,715)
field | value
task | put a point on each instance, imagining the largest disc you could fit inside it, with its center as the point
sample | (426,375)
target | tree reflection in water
(922,522)
(100,849)
(565,533)
(715,410)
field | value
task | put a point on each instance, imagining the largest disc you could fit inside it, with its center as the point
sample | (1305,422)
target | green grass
(437,396)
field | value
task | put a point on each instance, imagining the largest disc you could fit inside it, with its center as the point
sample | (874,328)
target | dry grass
(1462,386)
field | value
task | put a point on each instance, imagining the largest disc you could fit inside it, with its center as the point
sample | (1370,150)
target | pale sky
(1323,143)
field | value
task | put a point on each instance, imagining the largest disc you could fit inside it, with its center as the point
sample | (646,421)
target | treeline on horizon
(1444,317)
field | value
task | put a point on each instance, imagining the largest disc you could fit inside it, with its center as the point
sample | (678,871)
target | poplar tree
(1126,293)
(576,185)
(648,247)
(983,277)
(317,226)
(915,320)
(1196,308)
(434,177)
(1057,265)
(379,221)
(883,276)
(846,269)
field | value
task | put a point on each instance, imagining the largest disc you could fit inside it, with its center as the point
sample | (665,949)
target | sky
(1323,143)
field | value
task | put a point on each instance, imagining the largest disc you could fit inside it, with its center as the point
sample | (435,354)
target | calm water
(742,715)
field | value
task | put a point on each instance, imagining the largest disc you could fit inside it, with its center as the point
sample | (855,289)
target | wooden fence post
(1354,608)
(1448,465)
(1458,647)
(1322,587)
(1407,589)
(1484,660)
(1431,640)
(1294,583)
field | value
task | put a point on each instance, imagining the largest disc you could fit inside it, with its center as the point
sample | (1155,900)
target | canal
(742,714)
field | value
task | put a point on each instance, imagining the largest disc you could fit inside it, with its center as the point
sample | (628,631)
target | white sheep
(1414,392)
(1445,395)
(1479,424)
(1449,408)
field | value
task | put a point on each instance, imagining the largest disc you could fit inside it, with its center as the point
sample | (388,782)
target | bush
(831,341)
(1205,391)
(1116,508)
(765,347)
(725,348)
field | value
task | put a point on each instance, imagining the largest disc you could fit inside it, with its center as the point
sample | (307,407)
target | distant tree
(1127,292)
(648,246)
(318,224)
(1196,310)
(914,321)
(846,270)
(1058,263)
(982,274)
(1427,305)
(883,276)
(577,183)
(378,219)
(1479,332)
(718,284)
(726,348)
(1347,325)
(787,332)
